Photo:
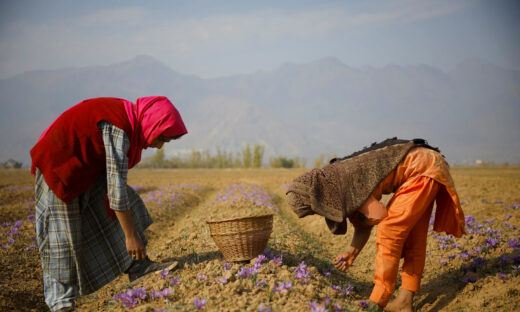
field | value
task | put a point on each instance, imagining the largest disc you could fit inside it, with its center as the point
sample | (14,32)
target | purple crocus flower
(221,280)
(199,303)
(31,247)
(260,283)
(5,246)
(278,260)
(227,266)
(337,307)
(443,261)
(492,242)
(349,289)
(165,274)
(10,240)
(317,308)
(301,273)
(243,273)
(13,231)
(261,258)
(503,276)
(202,277)
(162,293)
(31,218)
(469,279)
(262,308)
(17,224)
(283,287)
(363,305)
(175,281)
(464,254)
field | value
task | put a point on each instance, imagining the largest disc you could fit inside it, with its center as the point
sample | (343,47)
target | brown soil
(457,277)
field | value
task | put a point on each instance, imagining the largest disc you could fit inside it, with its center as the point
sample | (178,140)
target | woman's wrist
(354,250)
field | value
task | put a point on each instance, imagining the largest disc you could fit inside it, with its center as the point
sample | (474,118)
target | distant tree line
(248,157)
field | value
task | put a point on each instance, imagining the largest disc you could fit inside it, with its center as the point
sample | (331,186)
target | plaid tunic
(78,243)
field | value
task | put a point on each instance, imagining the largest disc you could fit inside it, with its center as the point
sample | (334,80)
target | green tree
(158,160)
(281,162)
(247,157)
(195,159)
(258,155)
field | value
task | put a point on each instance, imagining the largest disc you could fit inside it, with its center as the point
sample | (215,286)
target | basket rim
(240,218)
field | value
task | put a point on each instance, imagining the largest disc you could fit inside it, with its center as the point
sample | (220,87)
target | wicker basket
(242,238)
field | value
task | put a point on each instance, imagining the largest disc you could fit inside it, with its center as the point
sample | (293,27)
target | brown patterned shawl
(337,190)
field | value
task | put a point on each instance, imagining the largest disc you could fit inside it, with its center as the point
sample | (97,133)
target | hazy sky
(215,38)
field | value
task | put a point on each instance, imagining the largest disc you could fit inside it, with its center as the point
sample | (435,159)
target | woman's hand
(134,243)
(135,247)
(344,260)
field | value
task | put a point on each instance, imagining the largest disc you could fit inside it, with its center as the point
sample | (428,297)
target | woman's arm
(116,147)
(361,235)
(134,243)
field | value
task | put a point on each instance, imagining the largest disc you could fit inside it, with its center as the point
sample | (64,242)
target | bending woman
(90,223)
(351,188)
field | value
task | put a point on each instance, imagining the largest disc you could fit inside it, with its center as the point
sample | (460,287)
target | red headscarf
(151,117)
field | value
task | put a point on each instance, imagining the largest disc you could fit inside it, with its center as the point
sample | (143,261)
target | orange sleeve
(373,210)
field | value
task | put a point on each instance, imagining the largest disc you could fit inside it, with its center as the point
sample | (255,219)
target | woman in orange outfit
(418,176)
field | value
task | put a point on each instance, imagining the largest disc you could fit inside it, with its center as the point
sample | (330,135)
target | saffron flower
(503,276)
(261,258)
(491,242)
(244,273)
(202,277)
(165,274)
(262,308)
(227,266)
(469,279)
(162,293)
(175,281)
(301,273)
(131,297)
(283,287)
(31,218)
(278,260)
(316,308)
(221,280)
(199,303)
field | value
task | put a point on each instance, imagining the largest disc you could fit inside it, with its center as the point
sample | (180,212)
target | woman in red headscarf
(90,223)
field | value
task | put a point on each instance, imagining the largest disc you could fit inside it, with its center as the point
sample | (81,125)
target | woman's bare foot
(403,302)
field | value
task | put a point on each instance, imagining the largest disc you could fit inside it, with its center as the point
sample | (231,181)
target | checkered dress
(79,244)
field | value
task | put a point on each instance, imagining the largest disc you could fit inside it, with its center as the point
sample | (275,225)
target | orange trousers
(403,233)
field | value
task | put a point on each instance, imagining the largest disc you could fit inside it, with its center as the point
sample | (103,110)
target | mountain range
(325,107)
